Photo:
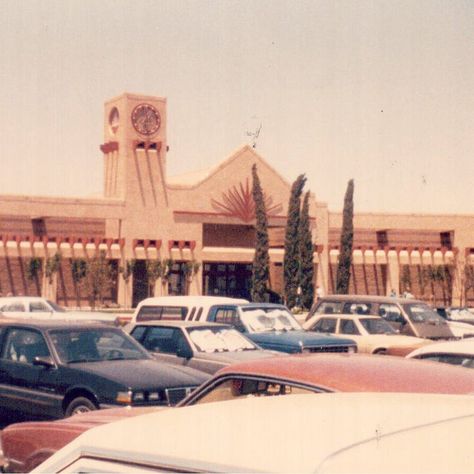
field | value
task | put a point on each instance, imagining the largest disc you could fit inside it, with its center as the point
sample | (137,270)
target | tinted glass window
(453,359)
(163,339)
(391,312)
(234,388)
(153,313)
(39,307)
(377,326)
(329,307)
(356,308)
(347,326)
(138,332)
(325,325)
(17,307)
(23,345)
(226,316)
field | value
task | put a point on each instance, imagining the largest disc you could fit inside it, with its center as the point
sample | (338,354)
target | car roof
(360,373)
(180,323)
(462,346)
(270,434)
(368,298)
(263,305)
(52,323)
(191,300)
(6,299)
(345,316)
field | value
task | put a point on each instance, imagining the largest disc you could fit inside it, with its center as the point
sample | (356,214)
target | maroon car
(26,445)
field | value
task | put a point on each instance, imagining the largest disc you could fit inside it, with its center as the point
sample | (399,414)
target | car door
(348,328)
(25,386)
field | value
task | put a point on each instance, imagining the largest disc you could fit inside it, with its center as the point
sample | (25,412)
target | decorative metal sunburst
(238,202)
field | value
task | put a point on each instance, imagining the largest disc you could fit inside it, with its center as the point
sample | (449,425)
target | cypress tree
(291,259)
(261,261)
(306,256)
(347,237)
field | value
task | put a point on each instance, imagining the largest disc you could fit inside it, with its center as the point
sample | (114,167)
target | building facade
(194,234)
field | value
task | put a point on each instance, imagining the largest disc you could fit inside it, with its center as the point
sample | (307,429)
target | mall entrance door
(227,279)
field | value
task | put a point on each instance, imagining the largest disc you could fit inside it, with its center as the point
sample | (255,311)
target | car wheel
(79,405)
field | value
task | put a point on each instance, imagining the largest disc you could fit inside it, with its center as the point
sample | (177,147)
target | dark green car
(52,369)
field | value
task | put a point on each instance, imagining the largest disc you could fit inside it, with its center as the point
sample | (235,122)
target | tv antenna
(255,136)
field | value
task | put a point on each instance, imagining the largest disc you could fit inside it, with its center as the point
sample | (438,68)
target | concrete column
(459,296)
(322,279)
(393,273)
(49,289)
(124,291)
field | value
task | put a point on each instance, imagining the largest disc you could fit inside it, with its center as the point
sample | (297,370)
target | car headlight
(153,396)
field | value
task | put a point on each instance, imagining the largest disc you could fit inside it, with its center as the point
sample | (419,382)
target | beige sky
(379,91)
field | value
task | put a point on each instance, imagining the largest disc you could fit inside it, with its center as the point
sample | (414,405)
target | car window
(17,307)
(39,307)
(152,313)
(227,316)
(347,326)
(231,389)
(327,325)
(329,307)
(377,326)
(356,308)
(138,332)
(23,345)
(453,359)
(391,312)
(163,339)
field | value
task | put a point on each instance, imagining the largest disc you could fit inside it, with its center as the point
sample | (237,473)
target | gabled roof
(196,178)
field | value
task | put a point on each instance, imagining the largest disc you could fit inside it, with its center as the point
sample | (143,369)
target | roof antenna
(255,136)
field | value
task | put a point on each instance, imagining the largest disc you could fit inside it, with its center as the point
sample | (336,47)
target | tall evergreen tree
(347,237)
(291,258)
(306,256)
(261,261)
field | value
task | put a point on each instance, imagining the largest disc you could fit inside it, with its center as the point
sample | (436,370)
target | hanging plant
(127,270)
(187,269)
(154,270)
(33,268)
(167,267)
(78,269)
(196,267)
(52,266)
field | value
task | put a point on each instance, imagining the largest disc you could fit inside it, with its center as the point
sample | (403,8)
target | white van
(180,307)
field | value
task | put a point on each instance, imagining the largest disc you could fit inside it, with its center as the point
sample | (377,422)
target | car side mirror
(44,361)
(184,350)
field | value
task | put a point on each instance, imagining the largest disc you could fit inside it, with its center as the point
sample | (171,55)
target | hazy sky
(378,91)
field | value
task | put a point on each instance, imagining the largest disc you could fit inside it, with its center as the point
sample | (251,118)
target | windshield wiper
(74,361)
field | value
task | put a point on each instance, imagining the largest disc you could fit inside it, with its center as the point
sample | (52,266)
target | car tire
(380,351)
(79,405)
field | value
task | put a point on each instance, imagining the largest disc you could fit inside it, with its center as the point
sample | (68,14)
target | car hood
(144,373)
(298,338)
(433,330)
(236,356)
(393,340)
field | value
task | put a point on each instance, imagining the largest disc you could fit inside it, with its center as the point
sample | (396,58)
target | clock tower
(134,151)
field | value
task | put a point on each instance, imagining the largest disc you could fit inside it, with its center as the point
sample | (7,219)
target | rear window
(152,313)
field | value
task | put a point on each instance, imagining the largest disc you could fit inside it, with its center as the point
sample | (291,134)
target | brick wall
(14,279)
(222,235)
(368,279)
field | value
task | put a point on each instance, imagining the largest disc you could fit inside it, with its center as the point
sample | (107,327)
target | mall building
(201,225)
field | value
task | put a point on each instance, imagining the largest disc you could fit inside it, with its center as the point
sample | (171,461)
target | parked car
(451,352)
(273,327)
(21,307)
(52,369)
(409,316)
(336,432)
(203,346)
(373,334)
(269,325)
(331,373)
(179,307)
(462,314)
(25,445)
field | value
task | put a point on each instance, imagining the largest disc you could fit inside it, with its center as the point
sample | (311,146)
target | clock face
(146,119)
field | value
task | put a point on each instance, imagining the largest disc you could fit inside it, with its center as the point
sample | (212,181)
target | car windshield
(377,326)
(422,313)
(95,345)
(259,320)
(217,339)
(56,307)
